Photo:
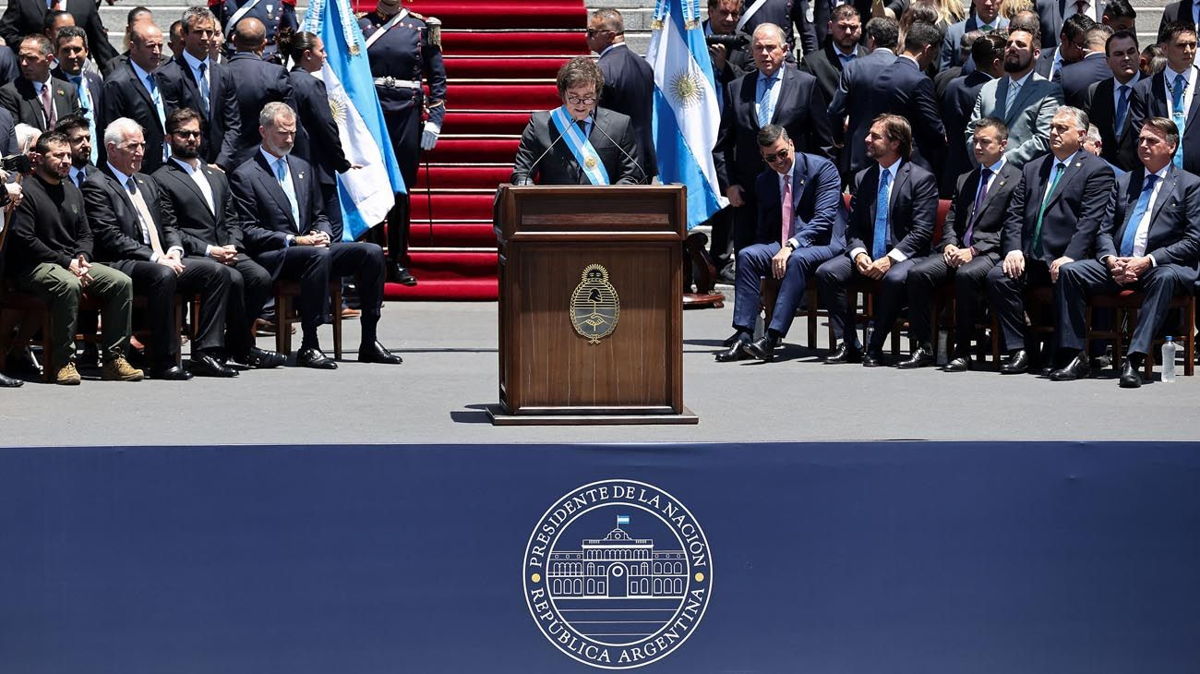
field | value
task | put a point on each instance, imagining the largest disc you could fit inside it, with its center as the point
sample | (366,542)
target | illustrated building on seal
(617,566)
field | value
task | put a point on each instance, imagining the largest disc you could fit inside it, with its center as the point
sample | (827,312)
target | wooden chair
(286,314)
(811,311)
(1125,306)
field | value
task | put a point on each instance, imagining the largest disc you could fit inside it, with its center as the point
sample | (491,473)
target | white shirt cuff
(896,255)
(855,253)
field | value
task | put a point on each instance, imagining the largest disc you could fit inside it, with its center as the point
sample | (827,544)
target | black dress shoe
(170,373)
(959,364)
(872,358)
(376,353)
(1078,368)
(844,354)
(921,357)
(398,273)
(261,359)
(764,347)
(733,339)
(735,352)
(204,365)
(1017,363)
(9,382)
(1130,377)
(311,356)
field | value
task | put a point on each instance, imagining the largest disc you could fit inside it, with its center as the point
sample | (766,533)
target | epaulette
(361,15)
(415,15)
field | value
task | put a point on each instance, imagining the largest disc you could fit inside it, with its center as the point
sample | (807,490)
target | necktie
(48,107)
(764,100)
(149,231)
(85,104)
(1177,92)
(203,84)
(1059,168)
(846,58)
(1135,219)
(281,172)
(1013,88)
(585,125)
(79,178)
(1122,108)
(156,97)
(986,27)
(879,237)
(788,214)
(985,174)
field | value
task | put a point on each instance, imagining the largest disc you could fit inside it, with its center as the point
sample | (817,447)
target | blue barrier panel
(823,558)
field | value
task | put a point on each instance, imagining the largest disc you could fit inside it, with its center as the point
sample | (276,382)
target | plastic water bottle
(1169,348)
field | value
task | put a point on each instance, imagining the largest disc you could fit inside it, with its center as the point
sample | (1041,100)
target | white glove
(429,136)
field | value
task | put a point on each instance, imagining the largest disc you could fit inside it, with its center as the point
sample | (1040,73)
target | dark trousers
(834,277)
(969,280)
(1007,296)
(332,206)
(1081,279)
(249,290)
(743,221)
(313,267)
(158,284)
(404,128)
(754,262)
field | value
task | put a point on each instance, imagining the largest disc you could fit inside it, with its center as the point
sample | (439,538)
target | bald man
(257,82)
(133,91)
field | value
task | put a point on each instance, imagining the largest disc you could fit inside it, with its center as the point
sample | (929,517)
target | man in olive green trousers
(49,251)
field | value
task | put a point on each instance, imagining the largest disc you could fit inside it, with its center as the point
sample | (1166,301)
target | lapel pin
(301,174)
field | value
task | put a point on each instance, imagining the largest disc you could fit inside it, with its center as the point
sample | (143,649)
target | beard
(1018,65)
(185,152)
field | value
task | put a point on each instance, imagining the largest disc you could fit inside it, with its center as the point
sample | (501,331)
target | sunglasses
(772,158)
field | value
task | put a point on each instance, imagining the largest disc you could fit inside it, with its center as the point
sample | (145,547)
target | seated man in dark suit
(827,63)
(136,236)
(892,216)
(599,147)
(799,208)
(36,98)
(196,197)
(279,208)
(1151,243)
(969,248)
(1052,220)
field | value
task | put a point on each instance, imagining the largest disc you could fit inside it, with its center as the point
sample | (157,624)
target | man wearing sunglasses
(628,81)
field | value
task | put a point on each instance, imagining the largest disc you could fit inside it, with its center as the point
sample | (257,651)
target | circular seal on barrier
(617,574)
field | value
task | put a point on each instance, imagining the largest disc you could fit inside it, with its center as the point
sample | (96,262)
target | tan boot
(119,369)
(68,375)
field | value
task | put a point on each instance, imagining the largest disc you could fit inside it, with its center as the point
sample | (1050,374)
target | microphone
(618,146)
(525,175)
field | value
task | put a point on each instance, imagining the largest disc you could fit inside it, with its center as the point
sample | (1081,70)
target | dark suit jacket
(957,105)
(912,210)
(114,218)
(1051,12)
(800,109)
(987,223)
(816,200)
(8,67)
(1150,100)
(126,96)
(8,140)
(263,210)
(1045,63)
(256,83)
(558,167)
(1102,111)
(184,204)
(1077,77)
(900,88)
(19,98)
(222,124)
(629,90)
(825,65)
(317,140)
(25,17)
(785,14)
(951,54)
(1174,236)
(1180,11)
(95,87)
(1080,204)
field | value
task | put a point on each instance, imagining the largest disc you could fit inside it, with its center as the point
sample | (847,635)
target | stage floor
(450,374)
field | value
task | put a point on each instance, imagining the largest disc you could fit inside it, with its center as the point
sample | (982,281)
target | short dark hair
(1121,35)
(896,128)
(52,16)
(44,141)
(844,12)
(921,35)
(1172,30)
(1166,126)
(993,123)
(577,71)
(68,33)
(883,31)
(179,117)
(1076,26)
(133,14)
(1119,9)
(176,30)
(1098,34)
(43,42)
(72,122)
(771,133)
(987,48)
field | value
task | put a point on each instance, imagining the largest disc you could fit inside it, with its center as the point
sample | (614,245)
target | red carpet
(501,60)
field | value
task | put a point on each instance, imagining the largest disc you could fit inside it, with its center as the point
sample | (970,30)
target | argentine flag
(622,520)
(368,193)
(686,116)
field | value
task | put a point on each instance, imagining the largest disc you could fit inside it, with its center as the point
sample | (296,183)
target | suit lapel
(1002,98)
(1164,195)
(1132,193)
(275,189)
(901,179)
(998,182)
(1023,95)
(299,186)
(181,175)
(1070,174)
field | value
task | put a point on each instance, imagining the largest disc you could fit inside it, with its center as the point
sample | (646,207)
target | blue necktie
(1139,211)
(764,100)
(203,85)
(1122,109)
(281,172)
(879,238)
(156,97)
(85,104)
(1177,116)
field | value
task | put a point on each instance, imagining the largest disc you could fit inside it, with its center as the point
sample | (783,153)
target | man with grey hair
(193,80)
(281,212)
(628,82)
(1053,217)
(1094,143)
(137,236)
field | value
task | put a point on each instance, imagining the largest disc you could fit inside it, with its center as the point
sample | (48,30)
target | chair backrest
(943,210)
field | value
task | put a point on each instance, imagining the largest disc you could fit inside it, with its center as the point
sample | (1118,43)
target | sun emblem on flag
(687,88)
(337,106)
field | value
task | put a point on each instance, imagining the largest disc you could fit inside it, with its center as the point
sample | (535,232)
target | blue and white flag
(686,115)
(622,520)
(367,193)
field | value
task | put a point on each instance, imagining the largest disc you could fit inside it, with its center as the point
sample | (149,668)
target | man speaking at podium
(578,143)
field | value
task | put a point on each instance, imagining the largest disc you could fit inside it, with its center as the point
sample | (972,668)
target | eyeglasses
(581,101)
(186,134)
(772,158)
(593,32)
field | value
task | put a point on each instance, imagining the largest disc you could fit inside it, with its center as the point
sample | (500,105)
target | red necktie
(788,216)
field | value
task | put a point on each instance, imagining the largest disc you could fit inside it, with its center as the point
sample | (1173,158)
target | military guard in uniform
(276,15)
(405,50)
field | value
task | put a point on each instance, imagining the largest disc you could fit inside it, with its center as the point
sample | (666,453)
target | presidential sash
(581,147)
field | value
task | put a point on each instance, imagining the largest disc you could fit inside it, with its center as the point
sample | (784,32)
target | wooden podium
(575,262)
